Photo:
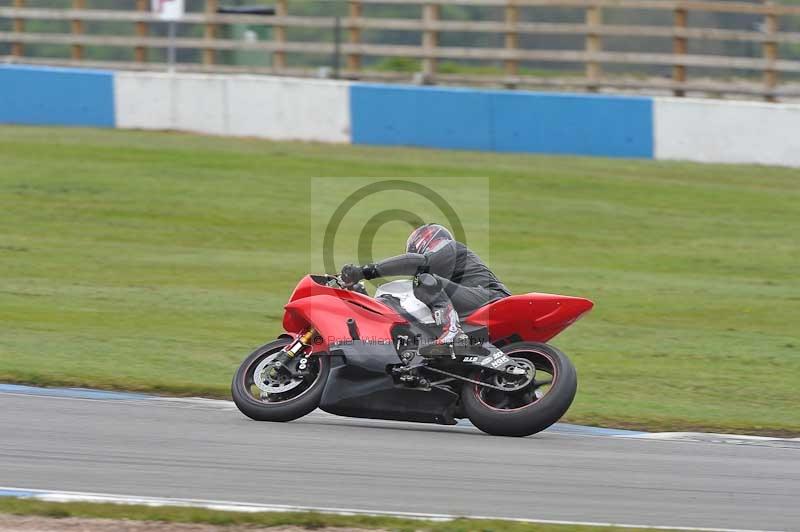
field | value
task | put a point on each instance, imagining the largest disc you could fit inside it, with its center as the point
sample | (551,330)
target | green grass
(411,65)
(310,520)
(154,261)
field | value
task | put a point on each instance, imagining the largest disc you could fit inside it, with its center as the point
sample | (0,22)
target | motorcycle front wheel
(531,409)
(284,401)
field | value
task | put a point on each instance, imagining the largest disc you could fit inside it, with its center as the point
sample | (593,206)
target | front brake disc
(280,383)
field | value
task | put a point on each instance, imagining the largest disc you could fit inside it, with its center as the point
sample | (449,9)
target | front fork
(281,362)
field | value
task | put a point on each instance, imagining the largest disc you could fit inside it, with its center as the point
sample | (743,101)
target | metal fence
(307,43)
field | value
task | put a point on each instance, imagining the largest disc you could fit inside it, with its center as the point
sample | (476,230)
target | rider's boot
(452,340)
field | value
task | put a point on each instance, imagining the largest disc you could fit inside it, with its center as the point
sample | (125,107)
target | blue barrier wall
(502,120)
(56,96)
(412,116)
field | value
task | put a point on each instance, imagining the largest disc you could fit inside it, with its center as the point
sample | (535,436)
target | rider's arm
(441,262)
(406,264)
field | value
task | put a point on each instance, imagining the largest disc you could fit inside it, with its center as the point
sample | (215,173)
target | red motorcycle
(355,355)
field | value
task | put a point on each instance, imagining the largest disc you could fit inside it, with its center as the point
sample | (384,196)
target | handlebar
(335,281)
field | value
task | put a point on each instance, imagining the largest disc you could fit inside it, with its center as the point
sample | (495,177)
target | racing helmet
(428,237)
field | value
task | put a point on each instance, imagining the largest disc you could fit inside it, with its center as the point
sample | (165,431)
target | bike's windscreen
(330,281)
(333,281)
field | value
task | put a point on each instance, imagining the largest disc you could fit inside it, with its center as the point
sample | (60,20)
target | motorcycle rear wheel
(532,409)
(286,407)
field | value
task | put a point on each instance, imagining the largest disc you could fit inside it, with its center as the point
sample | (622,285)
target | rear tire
(535,416)
(285,410)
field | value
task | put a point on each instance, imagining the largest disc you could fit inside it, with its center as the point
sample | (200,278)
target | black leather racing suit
(455,272)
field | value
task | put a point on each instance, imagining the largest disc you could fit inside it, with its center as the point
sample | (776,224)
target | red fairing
(532,317)
(327,310)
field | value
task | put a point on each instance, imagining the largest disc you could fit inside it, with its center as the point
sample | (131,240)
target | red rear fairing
(533,317)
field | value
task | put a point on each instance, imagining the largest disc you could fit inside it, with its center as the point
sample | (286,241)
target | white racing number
(496,360)
(500,361)
(302,364)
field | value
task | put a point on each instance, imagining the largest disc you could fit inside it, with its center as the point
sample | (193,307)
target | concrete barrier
(436,117)
(143,101)
(727,132)
(289,109)
(502,120)
(267,107)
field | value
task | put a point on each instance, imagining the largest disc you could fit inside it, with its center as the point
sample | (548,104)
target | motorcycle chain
(479,383)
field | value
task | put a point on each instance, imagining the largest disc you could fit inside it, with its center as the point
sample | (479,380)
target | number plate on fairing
(496,360)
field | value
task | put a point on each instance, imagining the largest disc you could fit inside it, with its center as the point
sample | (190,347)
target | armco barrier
(502,120)
(337,111)
(56,96)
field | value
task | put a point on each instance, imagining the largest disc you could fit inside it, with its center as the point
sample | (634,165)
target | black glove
(351,274)
(370,271)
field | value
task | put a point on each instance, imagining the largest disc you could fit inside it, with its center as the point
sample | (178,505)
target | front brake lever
(337,282)
(334,281)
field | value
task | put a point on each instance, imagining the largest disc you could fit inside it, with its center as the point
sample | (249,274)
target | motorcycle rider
(448,277)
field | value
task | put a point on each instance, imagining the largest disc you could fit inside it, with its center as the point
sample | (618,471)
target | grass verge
(156,262)
(310,520)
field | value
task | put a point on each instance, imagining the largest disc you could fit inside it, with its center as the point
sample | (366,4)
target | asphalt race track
(134,445)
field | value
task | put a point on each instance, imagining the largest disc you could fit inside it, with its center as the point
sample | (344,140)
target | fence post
(76,26)
(430,40)
(512,37)
(770,50)
(17,48)
(337,47)
(680,47)
(594,44)
(354,35)
(210,33)
(279,55)
(140,52)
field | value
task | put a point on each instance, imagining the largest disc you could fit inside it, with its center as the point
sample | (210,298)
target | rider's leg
(428,289)
(467,298)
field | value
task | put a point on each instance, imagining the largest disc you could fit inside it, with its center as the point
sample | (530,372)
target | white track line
(230,506)
(721,436)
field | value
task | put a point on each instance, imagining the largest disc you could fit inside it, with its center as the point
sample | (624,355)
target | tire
(533,417)
(286,410)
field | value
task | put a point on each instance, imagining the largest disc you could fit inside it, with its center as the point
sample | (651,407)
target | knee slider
(426,287)
(427,282)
